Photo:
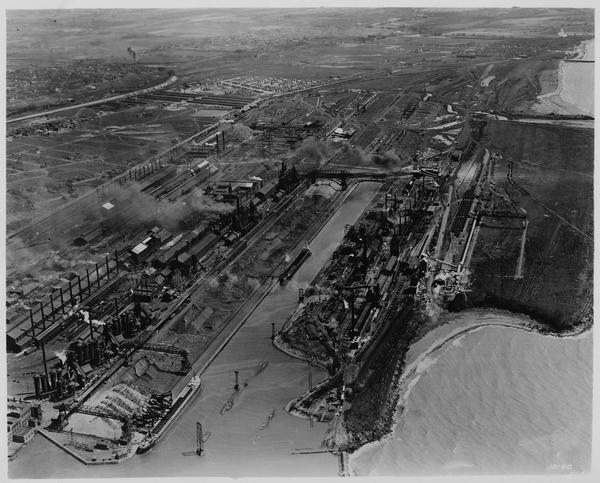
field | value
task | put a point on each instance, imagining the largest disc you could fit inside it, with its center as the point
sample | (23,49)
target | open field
(557,170)
(44,171)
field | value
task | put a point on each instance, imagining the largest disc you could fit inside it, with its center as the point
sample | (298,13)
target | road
(104,100)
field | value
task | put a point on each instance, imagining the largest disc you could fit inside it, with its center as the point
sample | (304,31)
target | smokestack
(52,379)
(80,354)
(92,351)
(42,315)
(52,308)
(44,360)
(37,383)
(96,351)
(62,300)
(115,326)
(44,383)
(70,293)
(32,323)
(85,353)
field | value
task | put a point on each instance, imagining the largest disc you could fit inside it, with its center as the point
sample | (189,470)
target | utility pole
(199,440)
(32,324)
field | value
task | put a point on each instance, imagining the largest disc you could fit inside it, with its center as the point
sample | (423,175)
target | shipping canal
(247,432)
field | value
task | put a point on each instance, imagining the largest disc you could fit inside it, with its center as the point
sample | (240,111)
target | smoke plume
(205,204)
(241,131)
(132,53)
(316,151)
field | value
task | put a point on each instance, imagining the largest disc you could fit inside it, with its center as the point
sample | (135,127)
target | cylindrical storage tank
(107,328)
(37,384)
(52,379)
(44,383)
(90,349)
(97,351)
(59,389)
(142,322)
(128,329)
(85,353)
(79,354)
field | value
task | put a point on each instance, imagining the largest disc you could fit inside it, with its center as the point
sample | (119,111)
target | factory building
(89,236)
(21,420)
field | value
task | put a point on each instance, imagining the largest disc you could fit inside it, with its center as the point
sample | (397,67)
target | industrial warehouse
(229,257)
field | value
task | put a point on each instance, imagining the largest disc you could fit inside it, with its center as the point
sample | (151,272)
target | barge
(294,266)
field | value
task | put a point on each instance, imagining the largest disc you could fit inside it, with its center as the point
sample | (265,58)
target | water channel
(255,436)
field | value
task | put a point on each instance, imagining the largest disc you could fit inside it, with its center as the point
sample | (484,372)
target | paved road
(167,83)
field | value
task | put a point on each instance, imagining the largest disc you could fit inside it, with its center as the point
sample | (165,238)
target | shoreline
(554,101)
(417,358)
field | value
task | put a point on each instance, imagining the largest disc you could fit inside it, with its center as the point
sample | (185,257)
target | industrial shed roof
(139,248)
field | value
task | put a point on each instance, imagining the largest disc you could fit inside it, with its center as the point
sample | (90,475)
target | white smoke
(86,316)
(62,356)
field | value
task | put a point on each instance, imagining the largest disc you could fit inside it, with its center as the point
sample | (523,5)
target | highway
(104,100)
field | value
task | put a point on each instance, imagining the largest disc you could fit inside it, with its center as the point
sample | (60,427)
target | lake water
(496,400)
(256,436)
(577,81)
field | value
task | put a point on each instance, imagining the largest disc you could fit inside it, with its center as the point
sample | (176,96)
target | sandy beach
(574,91)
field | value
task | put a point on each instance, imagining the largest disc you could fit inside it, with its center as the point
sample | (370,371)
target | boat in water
(294,266)
(160,428)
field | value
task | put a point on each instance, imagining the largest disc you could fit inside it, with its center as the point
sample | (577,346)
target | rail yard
(169,213)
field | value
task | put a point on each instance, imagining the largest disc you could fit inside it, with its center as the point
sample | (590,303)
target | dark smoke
(314,150)
(242,131)
(355,155)
(131,52)
(387,160)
